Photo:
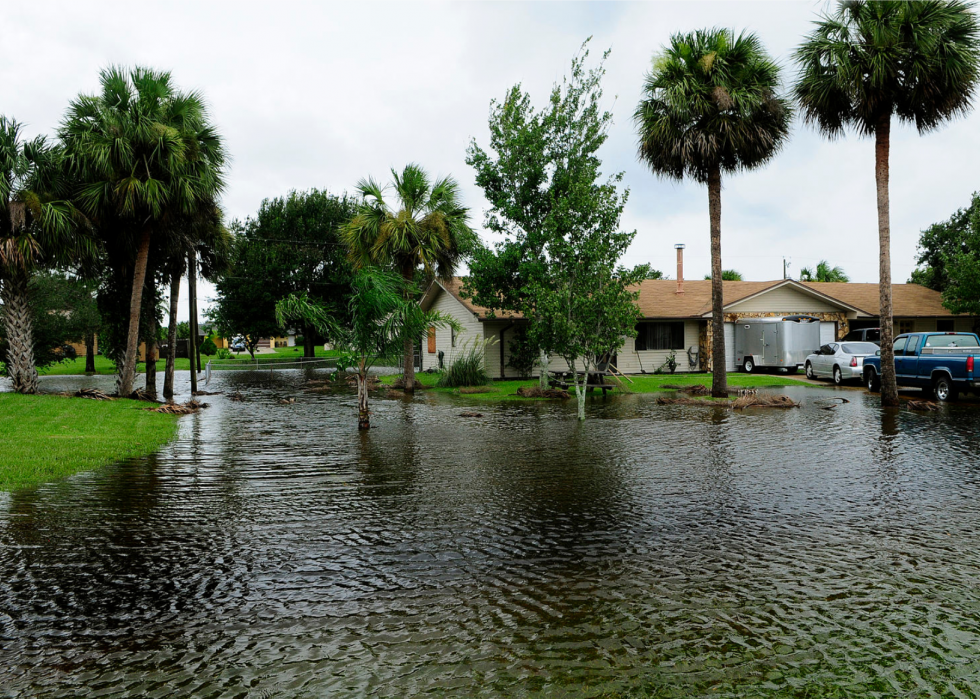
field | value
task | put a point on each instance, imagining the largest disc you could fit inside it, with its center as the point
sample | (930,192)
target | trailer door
(730,346)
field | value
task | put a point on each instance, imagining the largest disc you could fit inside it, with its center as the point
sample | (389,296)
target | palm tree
(870,60)
(145,154)
(823,273)
(727,275)
(710,107)
(428,230)
(38,227)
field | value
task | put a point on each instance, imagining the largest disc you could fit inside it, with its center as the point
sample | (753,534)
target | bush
(300,340)
(224,354)
(467,368)
(208,347)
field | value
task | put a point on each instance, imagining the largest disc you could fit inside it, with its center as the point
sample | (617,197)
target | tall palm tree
(38,227)
(710,107)
(428,230)
(727,275)
(823,273)
(145,153)
(871,60)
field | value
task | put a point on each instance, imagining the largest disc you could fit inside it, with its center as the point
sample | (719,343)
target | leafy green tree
(655,274)
(145,154)
(823,273)
(39,227)
(292,246)
(872,60)
(944,240)
(208,348)
(427,229)
(523,174)
(710,107)
(727,275)
(372,329)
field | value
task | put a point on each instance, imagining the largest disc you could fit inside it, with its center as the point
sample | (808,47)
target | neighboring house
(676,319)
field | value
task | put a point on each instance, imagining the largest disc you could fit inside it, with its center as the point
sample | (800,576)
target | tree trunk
(192,304)
(151,356)
(580,390)
(168,375)
(544,360)
(20,333)
(127,373)
(309,342)
(90,353)
(889,385)
(719,375)
(408,274)
(363,416)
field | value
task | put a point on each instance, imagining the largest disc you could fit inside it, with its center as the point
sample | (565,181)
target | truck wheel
(748,366)
(944,389)
(872,381)
(809,371)
(838,377)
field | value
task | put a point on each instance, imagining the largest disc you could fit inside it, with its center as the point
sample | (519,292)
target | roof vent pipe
(679,247)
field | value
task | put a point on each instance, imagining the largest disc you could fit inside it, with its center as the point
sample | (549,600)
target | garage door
(730,346)
(828,332)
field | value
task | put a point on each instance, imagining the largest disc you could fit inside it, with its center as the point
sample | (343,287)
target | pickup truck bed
(941,362)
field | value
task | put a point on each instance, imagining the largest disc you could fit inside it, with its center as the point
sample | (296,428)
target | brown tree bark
(192,322)
(127,373)
(889,385)
(719,372)
(309,342)
(363,416)
(168,375)
(20,332)
(151,357)
(90,353)
(408,274)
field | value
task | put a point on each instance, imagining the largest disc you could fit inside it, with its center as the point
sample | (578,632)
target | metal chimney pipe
(679,247)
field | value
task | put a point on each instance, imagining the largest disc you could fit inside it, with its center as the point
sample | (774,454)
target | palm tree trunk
(889,385)
(363,416)
(408,274)
(90,353)
(719,375)
(191,289)
(127,372)
(20,332)
(309,341)
(151,355)
(168,375)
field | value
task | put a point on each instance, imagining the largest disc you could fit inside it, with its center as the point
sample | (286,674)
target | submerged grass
(507,390)
(43,438)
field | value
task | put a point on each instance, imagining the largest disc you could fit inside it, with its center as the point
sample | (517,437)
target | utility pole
(192,302)
(787,261)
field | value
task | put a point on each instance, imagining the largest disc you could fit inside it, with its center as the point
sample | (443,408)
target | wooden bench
(596,379)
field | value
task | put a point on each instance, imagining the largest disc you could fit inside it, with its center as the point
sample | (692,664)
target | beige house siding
(629,361)
(471,328)
(783,300)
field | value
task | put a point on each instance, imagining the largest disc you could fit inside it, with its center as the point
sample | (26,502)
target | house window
(659,336)
(432,340)
(944,325)
(906,326)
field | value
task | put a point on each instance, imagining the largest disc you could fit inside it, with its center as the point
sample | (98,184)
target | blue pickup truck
(939,362)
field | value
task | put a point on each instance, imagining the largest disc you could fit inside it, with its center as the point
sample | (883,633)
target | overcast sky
(320,95)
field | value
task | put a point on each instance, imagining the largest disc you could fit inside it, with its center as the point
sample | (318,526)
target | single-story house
(676,319)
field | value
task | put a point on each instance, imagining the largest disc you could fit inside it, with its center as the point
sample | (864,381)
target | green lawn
(43,438)
(646,383)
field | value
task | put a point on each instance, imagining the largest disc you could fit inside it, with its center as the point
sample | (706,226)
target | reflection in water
(275,550)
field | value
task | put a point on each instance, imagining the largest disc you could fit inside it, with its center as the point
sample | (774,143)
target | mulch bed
(188,408)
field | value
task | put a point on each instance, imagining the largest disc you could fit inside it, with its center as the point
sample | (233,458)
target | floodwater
(664,551)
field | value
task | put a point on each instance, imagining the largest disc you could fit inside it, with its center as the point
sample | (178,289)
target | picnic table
(595,379)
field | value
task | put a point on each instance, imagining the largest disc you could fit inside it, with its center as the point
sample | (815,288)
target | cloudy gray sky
(321,94)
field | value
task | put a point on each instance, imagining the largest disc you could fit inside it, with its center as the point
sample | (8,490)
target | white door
(828,332)
(729,346)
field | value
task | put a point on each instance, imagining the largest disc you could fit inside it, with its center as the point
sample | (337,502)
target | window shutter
(432,340)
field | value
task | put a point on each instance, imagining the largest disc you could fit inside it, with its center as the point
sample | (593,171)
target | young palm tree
(428,230)
(710,107)
(38,227)
(145,153)
(727,275)
(872,60)
(823,273)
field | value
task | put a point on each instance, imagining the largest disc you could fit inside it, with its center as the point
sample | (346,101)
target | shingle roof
(659,297)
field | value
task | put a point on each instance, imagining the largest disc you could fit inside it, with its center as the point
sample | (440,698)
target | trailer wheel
(872,381)
(748,366)
(944,389)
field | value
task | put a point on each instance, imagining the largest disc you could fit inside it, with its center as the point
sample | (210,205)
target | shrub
(467,367)
(208,347)
(224,354)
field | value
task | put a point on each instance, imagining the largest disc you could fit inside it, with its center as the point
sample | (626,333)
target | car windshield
(951,341)
(860,348)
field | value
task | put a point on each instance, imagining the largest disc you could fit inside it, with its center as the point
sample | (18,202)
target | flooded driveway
(273,550)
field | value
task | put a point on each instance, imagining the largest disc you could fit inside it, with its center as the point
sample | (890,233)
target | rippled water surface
(272,550)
